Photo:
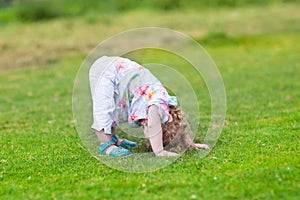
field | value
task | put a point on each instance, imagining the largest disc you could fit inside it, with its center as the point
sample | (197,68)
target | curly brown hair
(176,136)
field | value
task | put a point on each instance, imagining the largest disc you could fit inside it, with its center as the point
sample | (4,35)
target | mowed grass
(256,156)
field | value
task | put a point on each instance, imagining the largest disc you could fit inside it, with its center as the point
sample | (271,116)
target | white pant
(103,91)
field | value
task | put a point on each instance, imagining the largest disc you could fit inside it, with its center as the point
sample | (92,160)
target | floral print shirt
(122,90)
(142,90)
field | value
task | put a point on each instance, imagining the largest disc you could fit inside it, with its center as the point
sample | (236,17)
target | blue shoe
(119,152)
(116,152)
(124,143)
(128,143)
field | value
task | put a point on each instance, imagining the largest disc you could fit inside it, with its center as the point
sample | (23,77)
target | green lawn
(256,156)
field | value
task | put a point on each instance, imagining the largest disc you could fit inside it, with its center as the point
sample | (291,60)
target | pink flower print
(121,103)
(121,67)
(164,106)
(143,90)
(149,95)
(133,117)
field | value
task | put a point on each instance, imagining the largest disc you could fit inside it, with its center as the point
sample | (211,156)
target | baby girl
(124,91)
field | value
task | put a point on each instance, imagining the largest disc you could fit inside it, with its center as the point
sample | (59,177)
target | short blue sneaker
(116,152)
(124,143)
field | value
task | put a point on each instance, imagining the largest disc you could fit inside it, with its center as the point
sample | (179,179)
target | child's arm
(153,132)
(192,145)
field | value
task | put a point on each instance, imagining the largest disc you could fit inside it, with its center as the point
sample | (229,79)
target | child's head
(175,132)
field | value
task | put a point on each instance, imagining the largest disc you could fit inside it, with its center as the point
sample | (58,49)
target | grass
(36,10)
(256,157)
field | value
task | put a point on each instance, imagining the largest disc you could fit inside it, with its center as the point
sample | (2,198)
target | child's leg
(153,132)
(116,143)
(103,96)
(103,138)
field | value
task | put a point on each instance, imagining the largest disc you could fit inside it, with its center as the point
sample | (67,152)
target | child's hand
(201,146)
(166,153)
